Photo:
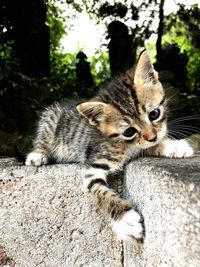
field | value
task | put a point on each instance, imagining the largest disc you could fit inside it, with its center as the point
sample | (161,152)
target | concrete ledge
(45,219)
(167,192)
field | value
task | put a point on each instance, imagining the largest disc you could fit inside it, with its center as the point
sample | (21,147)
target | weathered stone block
(167,192)
(45,219)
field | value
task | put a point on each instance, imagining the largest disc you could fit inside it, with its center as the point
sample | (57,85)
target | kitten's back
(72,135)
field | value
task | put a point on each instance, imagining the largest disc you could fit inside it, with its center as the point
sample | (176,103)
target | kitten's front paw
(129,226)
(36,159)
(174,149)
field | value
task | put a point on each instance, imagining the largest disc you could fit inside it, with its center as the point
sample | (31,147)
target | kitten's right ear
(144,71)
(93,111)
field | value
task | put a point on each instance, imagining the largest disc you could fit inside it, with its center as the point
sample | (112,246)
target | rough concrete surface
(167,192)
(45,219)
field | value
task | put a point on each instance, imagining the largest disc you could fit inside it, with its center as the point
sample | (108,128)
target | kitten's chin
(149,144)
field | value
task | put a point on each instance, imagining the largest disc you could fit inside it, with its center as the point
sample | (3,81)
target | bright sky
(86,35)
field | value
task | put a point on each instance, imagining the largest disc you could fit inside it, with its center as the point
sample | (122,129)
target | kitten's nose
(153,139)
(150,135)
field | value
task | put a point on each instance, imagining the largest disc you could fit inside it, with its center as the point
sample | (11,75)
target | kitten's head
(132,109)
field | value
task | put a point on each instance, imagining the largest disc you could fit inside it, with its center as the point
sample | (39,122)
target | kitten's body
(105,132)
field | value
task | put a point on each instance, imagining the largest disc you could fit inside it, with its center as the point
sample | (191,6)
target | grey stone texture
(46,220)
(167,192)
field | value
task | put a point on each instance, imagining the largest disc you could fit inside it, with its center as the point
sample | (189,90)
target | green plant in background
(63,65)
(183,28)
(100,67)
(55,21)
(63,79)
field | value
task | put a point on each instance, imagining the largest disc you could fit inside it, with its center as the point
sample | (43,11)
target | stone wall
(167,192)
(45,219)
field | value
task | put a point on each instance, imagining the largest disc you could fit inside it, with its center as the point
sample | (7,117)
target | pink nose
(150,136)
(153,139)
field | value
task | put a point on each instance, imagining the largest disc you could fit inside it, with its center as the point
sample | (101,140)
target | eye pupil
(129,132)
(154,114)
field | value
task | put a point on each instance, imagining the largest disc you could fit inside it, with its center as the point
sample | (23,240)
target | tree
(24,25)
(160,31)
(139,14)
(183,28)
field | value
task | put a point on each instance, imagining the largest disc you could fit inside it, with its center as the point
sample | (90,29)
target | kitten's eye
(129,132)
(154,114)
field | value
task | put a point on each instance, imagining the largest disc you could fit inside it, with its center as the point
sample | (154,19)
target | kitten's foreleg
(45,136)
(125,220)
(36,159)
(171,149)
(38,155)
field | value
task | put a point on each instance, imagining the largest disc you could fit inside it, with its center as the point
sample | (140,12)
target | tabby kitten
(105,132)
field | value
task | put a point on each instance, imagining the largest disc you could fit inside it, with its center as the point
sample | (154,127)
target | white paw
(129,226)
(36,159)
(174,149)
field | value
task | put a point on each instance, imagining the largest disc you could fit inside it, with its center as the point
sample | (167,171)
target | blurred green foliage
(183,28)
(55,21)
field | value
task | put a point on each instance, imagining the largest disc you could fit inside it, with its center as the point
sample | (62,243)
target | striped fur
(104,133)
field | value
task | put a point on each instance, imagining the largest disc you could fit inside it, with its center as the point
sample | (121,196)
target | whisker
(168,88)
(190,116)
(187,118)
(177,108)
(183,133)
(170,136)
(172,96)
(183,129)
(177,134)
(181,126)
(177,131)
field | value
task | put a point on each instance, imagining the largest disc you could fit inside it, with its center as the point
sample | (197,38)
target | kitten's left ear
(93,111)
(144,71)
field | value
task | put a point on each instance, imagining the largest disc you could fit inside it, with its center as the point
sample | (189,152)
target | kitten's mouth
(151,144)
(148,145)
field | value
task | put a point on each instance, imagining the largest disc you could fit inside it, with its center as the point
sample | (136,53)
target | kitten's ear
(144,71)
(93,111)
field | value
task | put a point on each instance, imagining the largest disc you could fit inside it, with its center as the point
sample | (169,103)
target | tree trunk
(31,37)
(160,31)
